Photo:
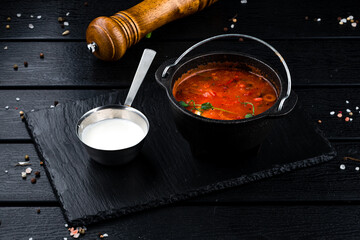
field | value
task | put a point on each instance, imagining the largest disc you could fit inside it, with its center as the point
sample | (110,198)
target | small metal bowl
(118,156)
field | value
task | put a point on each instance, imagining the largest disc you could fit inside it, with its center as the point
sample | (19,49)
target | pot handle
(281,104)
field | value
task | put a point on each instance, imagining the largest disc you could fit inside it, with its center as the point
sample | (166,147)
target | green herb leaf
(184,104)
(253,107)
(148,35)
(249,115)
(206,106)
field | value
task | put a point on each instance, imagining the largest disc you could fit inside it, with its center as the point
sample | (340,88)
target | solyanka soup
(224,93)
(258,102)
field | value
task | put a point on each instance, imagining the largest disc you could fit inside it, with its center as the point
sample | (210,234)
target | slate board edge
(39,151)
(111,214)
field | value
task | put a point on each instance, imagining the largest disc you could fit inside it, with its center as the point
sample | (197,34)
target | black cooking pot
(215,137)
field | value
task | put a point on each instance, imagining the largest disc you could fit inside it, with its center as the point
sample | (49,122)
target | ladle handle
(144,65)
(288,91)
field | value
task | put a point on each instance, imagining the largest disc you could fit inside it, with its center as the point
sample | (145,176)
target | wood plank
(259,18)
(195,222)
(325,182)
(70,65)
(318,102)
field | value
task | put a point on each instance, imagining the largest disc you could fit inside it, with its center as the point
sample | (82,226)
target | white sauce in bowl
(112,134)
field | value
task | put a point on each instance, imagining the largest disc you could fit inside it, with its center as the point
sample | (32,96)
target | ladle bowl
(119,156)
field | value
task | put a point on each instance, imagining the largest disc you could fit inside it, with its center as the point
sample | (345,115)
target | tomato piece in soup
(225,94)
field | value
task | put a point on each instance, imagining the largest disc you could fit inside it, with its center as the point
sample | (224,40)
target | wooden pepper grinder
(109,37)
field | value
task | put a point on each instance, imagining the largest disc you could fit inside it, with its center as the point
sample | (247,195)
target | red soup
(225,94)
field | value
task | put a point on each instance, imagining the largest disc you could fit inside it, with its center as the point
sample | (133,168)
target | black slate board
(165,171)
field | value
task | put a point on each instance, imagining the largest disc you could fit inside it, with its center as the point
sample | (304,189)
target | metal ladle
(124,155)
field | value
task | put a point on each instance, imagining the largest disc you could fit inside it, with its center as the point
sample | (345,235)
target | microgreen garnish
(183,104)
(204,106)
(253,110)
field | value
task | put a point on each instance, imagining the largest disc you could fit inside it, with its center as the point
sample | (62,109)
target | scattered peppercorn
(16,67)
(61,19)
(8,19)
(66,32)
(27,158)
(7,26)
(38,211)
(42,55)
(41,163)
(351,113)
(22,117)
(319,121)
(56,103)
(241,39)
(26,64)
(33,180)
(22,113)
(37,174)
(82,231)
(225,29)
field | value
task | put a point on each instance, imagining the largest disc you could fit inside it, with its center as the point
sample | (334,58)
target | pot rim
(172,72)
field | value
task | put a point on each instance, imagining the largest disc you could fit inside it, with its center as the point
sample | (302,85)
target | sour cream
(112,134)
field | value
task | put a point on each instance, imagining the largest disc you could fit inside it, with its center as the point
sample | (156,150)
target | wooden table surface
(320,202)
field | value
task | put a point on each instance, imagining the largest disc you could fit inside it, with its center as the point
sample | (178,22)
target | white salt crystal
(31,26)
(18,14)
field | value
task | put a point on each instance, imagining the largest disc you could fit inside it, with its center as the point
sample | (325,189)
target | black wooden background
(320,202)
